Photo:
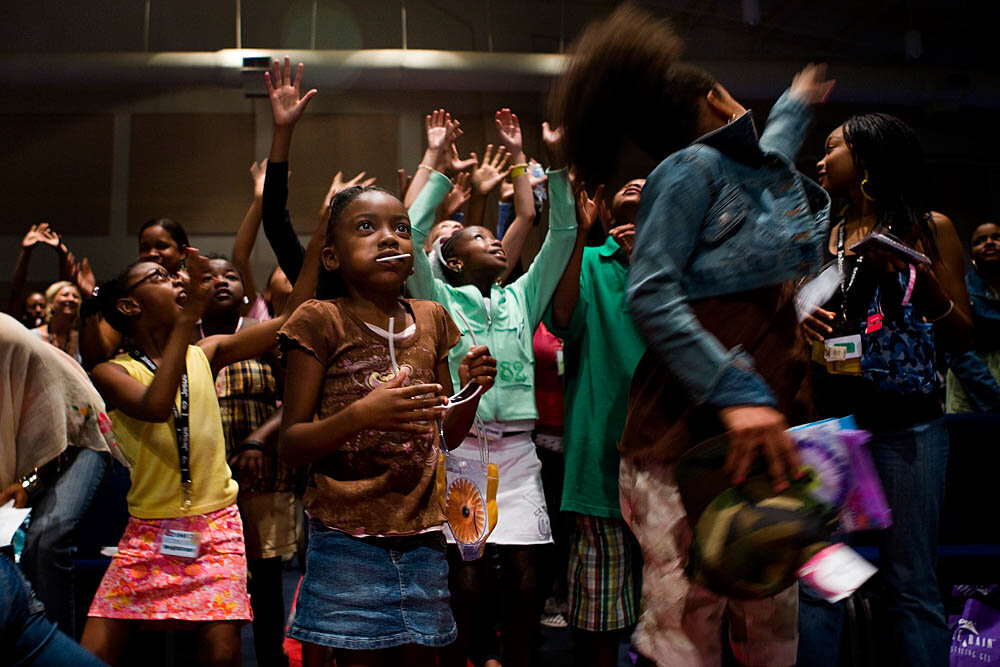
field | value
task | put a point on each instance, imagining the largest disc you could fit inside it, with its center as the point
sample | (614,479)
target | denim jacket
(979,384)
(727,214)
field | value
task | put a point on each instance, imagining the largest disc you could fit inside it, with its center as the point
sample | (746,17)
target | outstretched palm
(488,175)
(286,103)
(509,129)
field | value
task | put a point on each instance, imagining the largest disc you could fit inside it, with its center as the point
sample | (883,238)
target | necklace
(52,339)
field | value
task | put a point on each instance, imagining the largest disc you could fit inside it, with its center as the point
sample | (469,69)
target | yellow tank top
(151,448)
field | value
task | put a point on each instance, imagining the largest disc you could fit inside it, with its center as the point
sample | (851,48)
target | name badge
(842,348)
(180,543)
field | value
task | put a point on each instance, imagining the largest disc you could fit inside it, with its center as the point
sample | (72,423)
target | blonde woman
(62,315)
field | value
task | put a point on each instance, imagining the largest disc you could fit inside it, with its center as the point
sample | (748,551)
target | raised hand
(200,283)
(40,233)
(553,140)
(339,184)
(624,236)
(478,366)
(456,164)
(510,132)
(491,172)
(287,103)
(257,173)
(588,210)
(84,277)
(436,125)
(810,85)
(403,180)
(460,193)
(393,407)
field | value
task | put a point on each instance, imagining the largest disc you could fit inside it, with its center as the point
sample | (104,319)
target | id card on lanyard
(181,427)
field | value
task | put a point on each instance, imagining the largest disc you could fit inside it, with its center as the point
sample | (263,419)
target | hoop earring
(866,181)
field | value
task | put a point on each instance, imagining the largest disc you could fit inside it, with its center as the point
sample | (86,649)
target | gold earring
(865,181)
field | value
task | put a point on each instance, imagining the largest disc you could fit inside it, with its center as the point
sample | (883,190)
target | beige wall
(96,164)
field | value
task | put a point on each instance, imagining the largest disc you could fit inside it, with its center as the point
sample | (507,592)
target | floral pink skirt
(143,583)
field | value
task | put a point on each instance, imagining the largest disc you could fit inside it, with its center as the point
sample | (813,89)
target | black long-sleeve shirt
(281,235)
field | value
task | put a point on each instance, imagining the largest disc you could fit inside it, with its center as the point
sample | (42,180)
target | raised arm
(255,341)
(789,121)
(155,403)
(567,294)
(441,154)
(287,106)
(422,284)
(513,240)
(36,234)
(539,282)
(246,235)
(456,198)
(485,178)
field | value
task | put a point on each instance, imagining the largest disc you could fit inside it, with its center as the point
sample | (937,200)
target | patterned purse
(898,355)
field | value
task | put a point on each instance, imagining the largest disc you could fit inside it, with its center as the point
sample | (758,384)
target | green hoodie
(515,309)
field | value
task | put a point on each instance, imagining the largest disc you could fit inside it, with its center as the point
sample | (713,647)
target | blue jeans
(912,464)
(50,545)
(26,636)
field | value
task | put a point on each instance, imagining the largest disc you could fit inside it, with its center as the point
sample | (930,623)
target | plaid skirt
(144,584)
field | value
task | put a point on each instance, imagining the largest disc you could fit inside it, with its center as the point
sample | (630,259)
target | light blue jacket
(727,214)
(515,309)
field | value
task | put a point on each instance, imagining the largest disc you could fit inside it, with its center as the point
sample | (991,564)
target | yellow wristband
(518,170)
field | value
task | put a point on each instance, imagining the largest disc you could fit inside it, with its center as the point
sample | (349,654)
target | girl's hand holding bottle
(479,367)
(393,407)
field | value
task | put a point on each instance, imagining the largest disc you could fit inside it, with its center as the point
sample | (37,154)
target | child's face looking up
(152,293)
(227,286)
(479,251)
(374,225)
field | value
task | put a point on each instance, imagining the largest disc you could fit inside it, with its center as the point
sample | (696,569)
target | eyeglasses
(155,272)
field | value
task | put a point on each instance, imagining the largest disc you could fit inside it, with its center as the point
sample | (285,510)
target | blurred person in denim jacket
(725,225)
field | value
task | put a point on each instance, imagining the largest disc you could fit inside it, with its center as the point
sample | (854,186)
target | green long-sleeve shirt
(515,309)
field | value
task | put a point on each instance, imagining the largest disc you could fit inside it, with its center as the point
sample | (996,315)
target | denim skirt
(367,593)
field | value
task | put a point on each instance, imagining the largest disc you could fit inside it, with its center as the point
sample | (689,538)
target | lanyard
(181,427)
(845,283)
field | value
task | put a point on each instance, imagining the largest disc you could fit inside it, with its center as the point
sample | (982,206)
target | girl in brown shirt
(374,369)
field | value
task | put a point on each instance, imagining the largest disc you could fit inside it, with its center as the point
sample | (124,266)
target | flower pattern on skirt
(142,583)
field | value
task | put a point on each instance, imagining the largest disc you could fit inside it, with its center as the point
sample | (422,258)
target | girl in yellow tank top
(182,557)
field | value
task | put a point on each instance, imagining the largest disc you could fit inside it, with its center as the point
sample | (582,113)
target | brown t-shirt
(663,422)
(378,482)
